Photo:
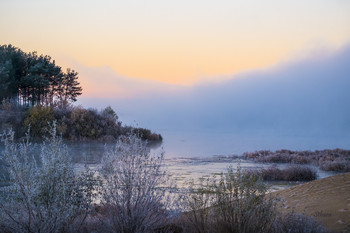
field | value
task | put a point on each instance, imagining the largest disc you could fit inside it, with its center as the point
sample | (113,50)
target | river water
(182,167)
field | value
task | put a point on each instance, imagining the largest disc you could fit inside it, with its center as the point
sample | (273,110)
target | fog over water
(302,105)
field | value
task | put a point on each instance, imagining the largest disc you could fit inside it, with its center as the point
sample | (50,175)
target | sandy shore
(327,200)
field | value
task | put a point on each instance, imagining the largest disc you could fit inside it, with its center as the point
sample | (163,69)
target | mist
(301,104)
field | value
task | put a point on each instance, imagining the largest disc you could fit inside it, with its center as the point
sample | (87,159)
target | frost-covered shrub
(134,197)
(44,192)
(343,166)
(234,203)
(239,203)
(267,174)
(328,160)
(291,173)
(299,173)
(296,223)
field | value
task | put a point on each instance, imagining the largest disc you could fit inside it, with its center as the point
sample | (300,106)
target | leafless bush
(292,173)
(296,223)
(235,203)
(256,155)
(267,174)
(238,202)
(343,166)
(299,173)
(300,159)
(328,160)
(134,196)
(44,193)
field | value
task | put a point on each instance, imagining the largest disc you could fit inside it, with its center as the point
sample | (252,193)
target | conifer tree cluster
(31,79)
(35,91)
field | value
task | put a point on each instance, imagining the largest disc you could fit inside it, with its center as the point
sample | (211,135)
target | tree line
(30,79)
(34,91)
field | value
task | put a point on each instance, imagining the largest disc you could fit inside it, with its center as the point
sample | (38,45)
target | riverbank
(327,200)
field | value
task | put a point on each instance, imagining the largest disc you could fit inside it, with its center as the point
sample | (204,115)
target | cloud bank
(307,98)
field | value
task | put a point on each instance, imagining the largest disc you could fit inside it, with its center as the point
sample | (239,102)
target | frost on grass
(232,203)
(44,194)
(237,202)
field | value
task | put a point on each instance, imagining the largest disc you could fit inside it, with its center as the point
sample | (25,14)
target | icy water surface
(181,169)
(185,169)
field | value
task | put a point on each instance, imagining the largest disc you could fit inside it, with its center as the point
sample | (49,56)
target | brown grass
(291,173)
(327,160)
(327,200)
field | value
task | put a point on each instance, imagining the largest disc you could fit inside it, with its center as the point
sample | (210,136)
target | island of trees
(35,91)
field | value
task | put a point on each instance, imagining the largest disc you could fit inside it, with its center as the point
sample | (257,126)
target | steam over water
(300,105)
(181,168)
(189,160)
(180,144)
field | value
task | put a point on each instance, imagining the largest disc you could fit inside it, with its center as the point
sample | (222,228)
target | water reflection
(180,169)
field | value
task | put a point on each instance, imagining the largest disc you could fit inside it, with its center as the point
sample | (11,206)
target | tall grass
(291,173)
(328,160)
(238,202)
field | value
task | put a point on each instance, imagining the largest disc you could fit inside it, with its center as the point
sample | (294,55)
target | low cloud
(310,97)
(104,82)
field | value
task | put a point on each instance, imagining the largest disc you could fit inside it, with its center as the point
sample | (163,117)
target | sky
(175,42)
(200,69)
(298,105)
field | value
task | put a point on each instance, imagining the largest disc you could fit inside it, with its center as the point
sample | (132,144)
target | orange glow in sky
(179,42)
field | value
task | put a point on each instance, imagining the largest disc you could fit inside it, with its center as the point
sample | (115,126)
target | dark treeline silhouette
(34,91)
(31,79)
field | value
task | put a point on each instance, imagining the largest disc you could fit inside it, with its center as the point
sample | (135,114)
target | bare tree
(134,192)
(44,192)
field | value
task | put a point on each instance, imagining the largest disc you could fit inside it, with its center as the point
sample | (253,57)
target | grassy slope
(327,200)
